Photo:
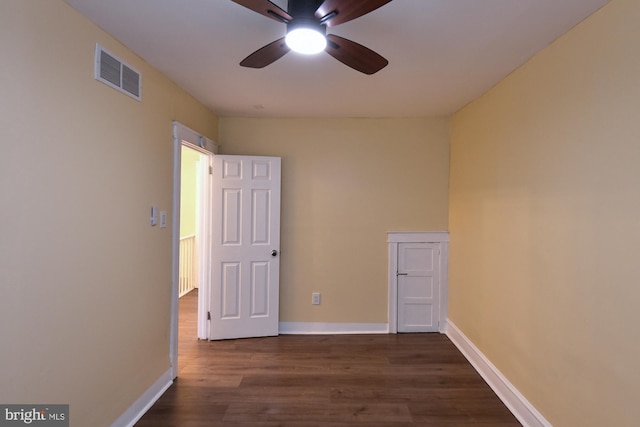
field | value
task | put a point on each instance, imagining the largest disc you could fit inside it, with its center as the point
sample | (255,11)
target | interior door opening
(236,240)
(418,281)
(194,243)
(190,229)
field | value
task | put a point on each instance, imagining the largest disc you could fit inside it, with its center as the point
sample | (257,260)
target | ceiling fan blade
(354,55)
(266,54)
(266,8)
(337,12)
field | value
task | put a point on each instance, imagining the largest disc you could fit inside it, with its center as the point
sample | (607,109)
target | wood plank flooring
(336,381)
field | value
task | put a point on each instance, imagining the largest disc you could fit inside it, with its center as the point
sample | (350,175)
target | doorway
(193,155)
(256,209)
(430,250)
(194,245)
(191,162)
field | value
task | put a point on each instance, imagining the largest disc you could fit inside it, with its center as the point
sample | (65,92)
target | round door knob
(274,253)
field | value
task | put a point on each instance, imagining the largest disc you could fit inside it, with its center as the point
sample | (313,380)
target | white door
(418,287)
(245,247)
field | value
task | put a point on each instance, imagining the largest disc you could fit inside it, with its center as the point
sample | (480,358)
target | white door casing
(203,233)
(245,247)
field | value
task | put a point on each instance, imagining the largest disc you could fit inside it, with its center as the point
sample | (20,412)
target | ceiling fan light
(306,40)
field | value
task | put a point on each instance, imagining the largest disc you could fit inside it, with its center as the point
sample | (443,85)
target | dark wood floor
(342,380)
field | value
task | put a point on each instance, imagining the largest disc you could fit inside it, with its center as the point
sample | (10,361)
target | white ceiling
(442,53)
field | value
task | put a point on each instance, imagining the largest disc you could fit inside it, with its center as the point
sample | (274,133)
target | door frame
(182,135)
(394,238)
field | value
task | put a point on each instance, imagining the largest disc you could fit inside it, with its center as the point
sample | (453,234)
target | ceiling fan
(307,22)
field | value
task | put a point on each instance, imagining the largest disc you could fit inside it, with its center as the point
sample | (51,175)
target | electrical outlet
(315,298)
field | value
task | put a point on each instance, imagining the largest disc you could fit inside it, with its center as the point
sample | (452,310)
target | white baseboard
(144,402)
(510,396)
(318,328)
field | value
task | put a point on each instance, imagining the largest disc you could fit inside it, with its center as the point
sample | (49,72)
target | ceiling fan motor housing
(303,14)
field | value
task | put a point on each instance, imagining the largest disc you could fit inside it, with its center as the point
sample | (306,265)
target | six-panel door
(245,247)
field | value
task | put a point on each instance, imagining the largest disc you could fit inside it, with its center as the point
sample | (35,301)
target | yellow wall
(188,184)
(545,223)
(345,184)
(85,281)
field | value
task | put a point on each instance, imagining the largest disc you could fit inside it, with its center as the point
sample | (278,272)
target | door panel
(259,289)
(245,235)
(418,287)
(230,290)
(260,217)
(231,221)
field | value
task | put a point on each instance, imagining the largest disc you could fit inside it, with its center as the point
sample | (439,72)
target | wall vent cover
(111,71)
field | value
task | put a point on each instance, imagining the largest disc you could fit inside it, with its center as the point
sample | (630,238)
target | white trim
(144,402)
(394,238)
(203,223)
(175,253)
(444,284)
(524,411)
(319,328)
(194,139)
(393,288)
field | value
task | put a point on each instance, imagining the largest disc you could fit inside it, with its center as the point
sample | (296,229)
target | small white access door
(418,287)
(245,247)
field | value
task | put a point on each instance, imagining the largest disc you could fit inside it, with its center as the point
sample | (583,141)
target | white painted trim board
(319,328)
(145,402)
(524,411)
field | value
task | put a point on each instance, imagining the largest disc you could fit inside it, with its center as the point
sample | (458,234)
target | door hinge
(208,315)
(210,170)
(402,274)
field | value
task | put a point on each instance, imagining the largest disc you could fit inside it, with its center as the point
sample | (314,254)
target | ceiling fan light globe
(306,41)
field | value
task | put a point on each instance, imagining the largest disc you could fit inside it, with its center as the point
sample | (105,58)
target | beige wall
(188,183)
(84,280)
(345,184)
(545,223)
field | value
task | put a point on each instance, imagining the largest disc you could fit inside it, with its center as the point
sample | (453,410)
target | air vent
(111,71)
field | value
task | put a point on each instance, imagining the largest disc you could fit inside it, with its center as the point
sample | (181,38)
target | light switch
(163,219)
(154,215)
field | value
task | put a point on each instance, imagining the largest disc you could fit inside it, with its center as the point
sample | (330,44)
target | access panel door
(245,247)
(418,287)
